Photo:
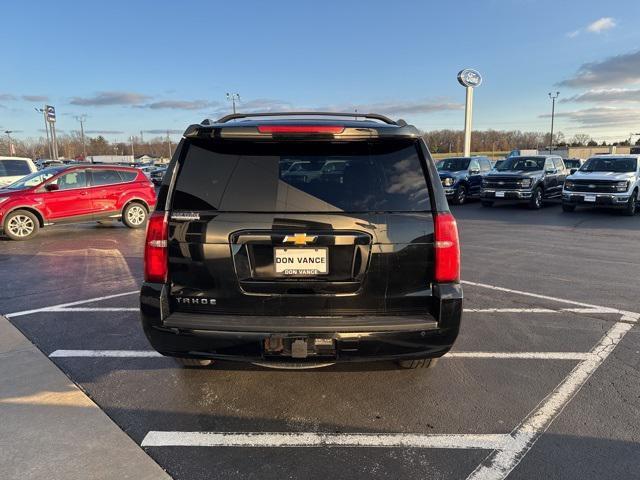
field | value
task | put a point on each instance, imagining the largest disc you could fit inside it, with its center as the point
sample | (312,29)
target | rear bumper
(601,199)
(331,339)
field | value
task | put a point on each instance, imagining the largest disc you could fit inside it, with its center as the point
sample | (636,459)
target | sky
(157,66)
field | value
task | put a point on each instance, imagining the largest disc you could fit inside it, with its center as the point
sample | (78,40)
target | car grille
(502,182)
(593,186)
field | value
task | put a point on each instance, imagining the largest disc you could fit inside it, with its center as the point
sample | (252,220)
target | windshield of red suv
(34,179)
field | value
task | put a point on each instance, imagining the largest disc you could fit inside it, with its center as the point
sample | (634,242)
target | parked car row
(602,181)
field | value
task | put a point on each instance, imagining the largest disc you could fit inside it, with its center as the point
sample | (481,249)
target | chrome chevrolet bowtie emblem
(592,185)
(300,239)
(500,183)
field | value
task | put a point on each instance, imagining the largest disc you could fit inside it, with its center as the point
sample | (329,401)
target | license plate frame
(500,194)
(286,269)
(590,198)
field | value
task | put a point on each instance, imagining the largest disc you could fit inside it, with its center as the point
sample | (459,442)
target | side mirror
(573,170)
(551,170)
(52,187)
(474,172)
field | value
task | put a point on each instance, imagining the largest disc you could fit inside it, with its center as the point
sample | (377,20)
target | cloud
(159,131)
(111,98)
(409,108)
(601,116)
(601,25)
(606,95)
(385,108)
(7,96)
(181,105)
(104,132)
(35,98)
(616,70)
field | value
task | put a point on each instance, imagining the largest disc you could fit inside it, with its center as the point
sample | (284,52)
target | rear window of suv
(13,168)
(301,177)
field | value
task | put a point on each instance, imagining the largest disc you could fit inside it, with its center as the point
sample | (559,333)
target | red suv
(71,194)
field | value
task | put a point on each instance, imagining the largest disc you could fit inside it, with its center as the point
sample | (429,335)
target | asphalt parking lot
(543,381)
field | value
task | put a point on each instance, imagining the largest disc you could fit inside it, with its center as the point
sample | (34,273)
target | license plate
(589,198)
(301,261)
(499,194)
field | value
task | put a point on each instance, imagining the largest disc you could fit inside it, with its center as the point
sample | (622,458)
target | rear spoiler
(337,126)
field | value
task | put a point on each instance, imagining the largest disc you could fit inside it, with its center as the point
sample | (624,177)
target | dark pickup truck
(526,179)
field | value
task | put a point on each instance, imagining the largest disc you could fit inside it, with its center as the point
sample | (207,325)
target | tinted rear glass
(105,177)
(301,177)
(127,175)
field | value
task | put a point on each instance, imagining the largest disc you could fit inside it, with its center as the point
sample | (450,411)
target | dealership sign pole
(50,112)
(469,79)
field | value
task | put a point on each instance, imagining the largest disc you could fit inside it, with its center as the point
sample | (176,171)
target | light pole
(469,79)
(46,127)
(82,119)
(169,143)
(9,132)
(553,114)
(232,97)
(133,154)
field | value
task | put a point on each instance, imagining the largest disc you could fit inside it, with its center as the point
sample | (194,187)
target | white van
(13,169)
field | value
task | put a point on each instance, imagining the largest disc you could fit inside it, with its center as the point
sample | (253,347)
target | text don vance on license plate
(301,261)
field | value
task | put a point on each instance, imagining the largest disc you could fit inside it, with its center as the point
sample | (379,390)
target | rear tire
(536,199)
(427,363)
(487,203)
(135,215)
(568,208)
(193,362)
(21,225)
(632,204)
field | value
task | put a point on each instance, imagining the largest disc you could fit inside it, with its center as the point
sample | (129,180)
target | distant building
(127,159)
(146,159)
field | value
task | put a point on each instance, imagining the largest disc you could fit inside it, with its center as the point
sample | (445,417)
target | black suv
(300,240)
(526,179)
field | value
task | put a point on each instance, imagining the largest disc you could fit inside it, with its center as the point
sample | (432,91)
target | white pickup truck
(611,181)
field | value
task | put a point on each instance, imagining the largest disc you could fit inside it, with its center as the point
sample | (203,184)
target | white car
(604,181)
(13,169)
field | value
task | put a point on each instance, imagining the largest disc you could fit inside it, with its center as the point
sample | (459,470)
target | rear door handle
(83,193)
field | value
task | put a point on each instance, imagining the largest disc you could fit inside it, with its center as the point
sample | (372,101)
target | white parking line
(63,309)
(70,304)
(496,355)
(522,355)
(314,439)
(590,308)
(95,309)
(499,463)
(106,353)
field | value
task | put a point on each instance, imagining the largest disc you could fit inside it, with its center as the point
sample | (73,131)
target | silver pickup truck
(604,181)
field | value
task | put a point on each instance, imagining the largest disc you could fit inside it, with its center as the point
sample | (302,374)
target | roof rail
(373,116)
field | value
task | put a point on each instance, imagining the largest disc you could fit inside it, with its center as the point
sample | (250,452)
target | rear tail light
(156,257)
(447,247)
(300,129)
